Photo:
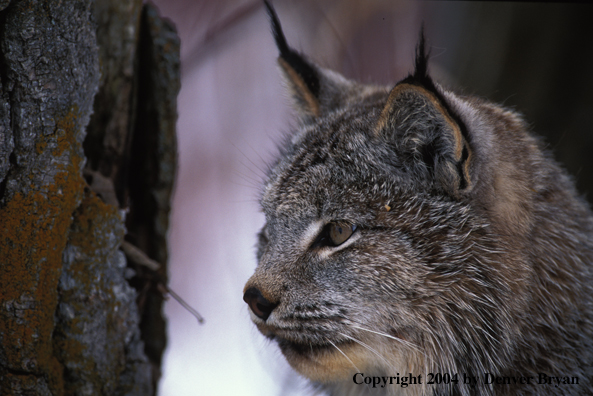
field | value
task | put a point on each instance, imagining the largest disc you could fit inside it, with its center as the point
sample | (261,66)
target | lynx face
(408,230)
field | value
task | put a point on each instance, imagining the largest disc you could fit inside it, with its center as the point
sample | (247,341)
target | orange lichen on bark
(33,234)
(92,233)
(65,127)
(88,232)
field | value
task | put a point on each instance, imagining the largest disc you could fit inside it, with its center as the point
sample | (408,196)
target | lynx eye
(334,234)
(339,233)
(262,242)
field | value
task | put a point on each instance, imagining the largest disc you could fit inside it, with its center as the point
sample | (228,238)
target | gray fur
(489,277)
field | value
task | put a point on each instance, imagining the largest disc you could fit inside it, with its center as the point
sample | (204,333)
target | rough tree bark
(87,158)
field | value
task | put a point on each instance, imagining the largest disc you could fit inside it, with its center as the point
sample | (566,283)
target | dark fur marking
(463,182)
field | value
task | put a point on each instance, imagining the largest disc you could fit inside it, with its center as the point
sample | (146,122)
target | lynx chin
(413,231)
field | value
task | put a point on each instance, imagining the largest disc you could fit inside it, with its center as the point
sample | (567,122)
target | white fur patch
(311,233)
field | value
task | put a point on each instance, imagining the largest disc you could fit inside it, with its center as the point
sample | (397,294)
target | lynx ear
(427,137)
(426,134)
(416,122)
(316,91)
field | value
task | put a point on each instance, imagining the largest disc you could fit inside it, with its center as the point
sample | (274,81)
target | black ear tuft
(421,57)
(277,30)
(421,67)
(303,69)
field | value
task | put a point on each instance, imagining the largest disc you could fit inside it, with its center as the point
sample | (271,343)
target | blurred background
(534,57)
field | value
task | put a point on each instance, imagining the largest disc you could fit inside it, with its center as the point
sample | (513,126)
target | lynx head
(396,223)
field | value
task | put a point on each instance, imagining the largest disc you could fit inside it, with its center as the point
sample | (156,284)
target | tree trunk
(87,158)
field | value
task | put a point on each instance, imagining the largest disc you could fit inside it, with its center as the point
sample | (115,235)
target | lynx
(421,242)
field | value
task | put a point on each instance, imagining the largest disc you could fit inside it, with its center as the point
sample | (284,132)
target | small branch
(138,256)
(164,289)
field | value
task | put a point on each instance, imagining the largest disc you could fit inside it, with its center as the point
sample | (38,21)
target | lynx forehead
(411,230)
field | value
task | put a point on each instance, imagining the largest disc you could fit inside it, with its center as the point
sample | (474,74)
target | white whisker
(407,343)
(366,346)
(347,358)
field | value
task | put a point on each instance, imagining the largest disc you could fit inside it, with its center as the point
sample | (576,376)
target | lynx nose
(261,307)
